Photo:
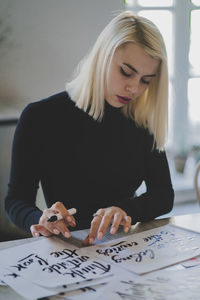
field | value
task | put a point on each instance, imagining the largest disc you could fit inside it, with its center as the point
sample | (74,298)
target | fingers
(113,216)
(126,222)
(59,226)
(86,242)
(105,222)
(59,207)
(116,222)
(95,225)
(38,230)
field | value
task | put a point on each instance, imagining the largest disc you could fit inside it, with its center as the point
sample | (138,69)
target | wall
(43,41)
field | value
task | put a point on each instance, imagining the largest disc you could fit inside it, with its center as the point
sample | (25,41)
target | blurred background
(42,41)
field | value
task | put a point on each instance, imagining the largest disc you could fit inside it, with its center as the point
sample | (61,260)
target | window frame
(181,13)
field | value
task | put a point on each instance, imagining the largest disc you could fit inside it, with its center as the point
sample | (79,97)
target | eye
(124,73)
(145,81)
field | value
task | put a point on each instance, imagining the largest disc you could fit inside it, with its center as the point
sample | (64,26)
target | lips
(123,100)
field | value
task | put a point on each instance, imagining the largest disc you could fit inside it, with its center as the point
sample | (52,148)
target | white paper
(192,262)
(50,266)
(81,285)
(52,262)
(162,284)
(31,290)
(152,249)
(88,292)
(23,287)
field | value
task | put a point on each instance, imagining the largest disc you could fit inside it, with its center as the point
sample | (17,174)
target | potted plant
(180,159)
(195,151)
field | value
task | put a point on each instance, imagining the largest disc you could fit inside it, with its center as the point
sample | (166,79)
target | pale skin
(131,72)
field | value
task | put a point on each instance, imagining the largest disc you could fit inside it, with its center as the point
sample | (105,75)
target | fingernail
(36,234)
(91,241)
(100,235)
(67,234)
(56,231)
(113,230)
(69,219)
(126,229)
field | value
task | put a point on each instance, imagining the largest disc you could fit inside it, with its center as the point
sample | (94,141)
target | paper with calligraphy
(160,285)
(52,262)
(49,266)
(152,249)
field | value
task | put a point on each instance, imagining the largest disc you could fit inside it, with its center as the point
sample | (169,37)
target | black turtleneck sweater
(84,163)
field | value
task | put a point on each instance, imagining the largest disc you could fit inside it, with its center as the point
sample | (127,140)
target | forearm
(24,174)
(148,206)
(21,213)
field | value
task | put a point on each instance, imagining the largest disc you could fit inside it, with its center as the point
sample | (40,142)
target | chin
(116,104)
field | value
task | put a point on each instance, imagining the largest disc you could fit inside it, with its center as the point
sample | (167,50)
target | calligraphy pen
(58,216)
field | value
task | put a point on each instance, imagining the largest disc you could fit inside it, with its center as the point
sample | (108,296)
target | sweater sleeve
(25,173)
(159,196)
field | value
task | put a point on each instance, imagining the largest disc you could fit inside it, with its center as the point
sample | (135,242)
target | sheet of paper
(88,292)
(81,285)
(162,284)
(50,266)
(23,287)
(188,222)
(52,262)
(31,290)
(152,249)
(192,262)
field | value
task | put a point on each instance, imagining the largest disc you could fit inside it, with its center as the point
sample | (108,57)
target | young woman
(93,145)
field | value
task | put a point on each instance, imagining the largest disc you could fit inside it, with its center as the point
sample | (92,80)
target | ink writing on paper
(66,262)
(156,238)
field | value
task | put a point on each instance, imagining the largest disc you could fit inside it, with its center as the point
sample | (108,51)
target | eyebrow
(133,69)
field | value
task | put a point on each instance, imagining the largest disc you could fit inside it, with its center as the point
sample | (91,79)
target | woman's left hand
(104,217)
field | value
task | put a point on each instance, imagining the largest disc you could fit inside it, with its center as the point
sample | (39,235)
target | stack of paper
(50,267)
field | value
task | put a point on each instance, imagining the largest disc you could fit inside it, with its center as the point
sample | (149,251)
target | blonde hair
(150,110)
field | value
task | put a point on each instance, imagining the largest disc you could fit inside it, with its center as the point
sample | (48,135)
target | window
(179,23)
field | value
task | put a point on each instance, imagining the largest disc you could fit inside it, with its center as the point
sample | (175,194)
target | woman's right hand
(47,228)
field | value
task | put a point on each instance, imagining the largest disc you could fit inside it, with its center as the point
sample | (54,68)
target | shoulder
(56,111)
(52,103)
(52,107)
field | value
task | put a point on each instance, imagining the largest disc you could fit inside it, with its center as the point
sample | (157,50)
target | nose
(133,87)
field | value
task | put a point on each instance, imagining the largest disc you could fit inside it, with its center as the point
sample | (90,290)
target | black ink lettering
(93,267)
(136,256)
(30,255)
(88,288)
(65,252)
(13,275)
(116,248)
(25,262)
(41,261)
